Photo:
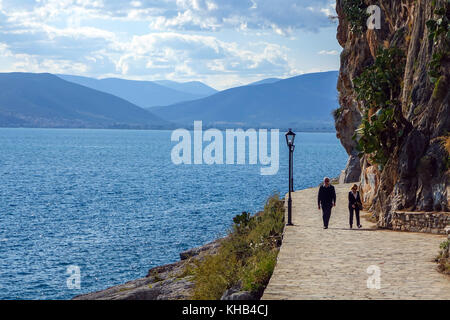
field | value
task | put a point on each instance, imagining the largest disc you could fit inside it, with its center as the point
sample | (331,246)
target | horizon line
(175,81)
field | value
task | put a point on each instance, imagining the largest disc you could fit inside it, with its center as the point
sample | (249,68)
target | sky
(223,43)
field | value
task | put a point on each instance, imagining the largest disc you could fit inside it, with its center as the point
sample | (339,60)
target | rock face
(416,175)
(162,283)
(352,171)
(169,282)
(236,293)
(210,248)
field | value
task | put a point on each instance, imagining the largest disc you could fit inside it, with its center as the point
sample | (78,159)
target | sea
(111,204)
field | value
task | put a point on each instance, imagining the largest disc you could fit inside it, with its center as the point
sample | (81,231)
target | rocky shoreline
(236,267)
(168,282)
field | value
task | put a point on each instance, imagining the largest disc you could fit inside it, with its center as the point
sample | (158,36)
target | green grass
(187,271)
(440,89)
(247,256)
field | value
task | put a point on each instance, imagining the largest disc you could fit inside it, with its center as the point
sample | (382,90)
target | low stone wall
(429,222)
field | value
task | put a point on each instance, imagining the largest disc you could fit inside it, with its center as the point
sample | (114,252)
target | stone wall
(429,222)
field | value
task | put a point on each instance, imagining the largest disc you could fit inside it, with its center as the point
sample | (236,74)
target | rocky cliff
(394,95)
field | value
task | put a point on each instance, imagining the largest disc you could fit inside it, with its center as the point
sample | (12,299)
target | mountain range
(304,102)
(265,81)
(44,100)
(146,93)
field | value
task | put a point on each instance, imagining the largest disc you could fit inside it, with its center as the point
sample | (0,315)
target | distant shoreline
(142,129)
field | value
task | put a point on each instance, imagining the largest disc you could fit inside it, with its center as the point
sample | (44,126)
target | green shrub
(443,259)
(439,27)
(356,14)
(380,83)
(242,222)
(434,67)
(337,113)
(248,255)
(445,245)
(214,275)
(259,271)
(447,148)
(439,32)
(377,89)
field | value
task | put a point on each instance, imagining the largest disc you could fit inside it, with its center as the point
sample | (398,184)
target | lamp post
(290,138)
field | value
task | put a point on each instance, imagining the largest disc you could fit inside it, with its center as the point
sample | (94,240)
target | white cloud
(329,52)
(281,15)
(183,14)
(182,56)
(90,37)
(34,63)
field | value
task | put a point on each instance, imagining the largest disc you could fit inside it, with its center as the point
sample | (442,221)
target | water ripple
(112,203)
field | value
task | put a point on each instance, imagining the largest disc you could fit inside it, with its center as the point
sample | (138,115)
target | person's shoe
(360,226)
(351,227)
(325,227)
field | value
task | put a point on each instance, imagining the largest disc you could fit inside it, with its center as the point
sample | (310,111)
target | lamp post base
(289,223)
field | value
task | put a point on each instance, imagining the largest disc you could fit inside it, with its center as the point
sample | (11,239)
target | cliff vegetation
(394,97)
(246,259)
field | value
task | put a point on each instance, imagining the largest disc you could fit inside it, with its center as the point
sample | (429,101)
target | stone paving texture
(314,263)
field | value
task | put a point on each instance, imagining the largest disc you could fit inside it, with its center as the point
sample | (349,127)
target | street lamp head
(290,138)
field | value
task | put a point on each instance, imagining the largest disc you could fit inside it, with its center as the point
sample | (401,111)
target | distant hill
(146,93)
(192,87)
(304,103)
(45,100)
(265,81)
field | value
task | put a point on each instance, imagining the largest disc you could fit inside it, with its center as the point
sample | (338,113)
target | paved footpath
(332,264)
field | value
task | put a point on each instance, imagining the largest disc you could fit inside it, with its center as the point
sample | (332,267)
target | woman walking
(354,205)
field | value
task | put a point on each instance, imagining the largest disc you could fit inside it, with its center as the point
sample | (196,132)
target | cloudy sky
(223,43)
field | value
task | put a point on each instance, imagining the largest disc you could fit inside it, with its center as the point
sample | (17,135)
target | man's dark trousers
(326,215)
(326,199)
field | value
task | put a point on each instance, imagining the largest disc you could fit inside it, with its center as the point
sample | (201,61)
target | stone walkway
(332,264)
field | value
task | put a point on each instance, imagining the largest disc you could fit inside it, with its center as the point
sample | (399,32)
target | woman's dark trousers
(356,210)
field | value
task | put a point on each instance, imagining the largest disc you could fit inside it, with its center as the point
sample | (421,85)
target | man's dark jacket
(327,196)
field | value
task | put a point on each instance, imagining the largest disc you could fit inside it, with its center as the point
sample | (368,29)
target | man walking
(326,200)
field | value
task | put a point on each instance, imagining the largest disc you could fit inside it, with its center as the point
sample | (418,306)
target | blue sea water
(112,203)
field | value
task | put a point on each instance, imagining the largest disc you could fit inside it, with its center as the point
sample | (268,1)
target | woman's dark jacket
(352,201)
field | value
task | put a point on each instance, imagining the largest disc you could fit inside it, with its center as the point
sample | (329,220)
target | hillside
(192,87)
(264,81)
(145,93)
(45,100)
(304,102)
